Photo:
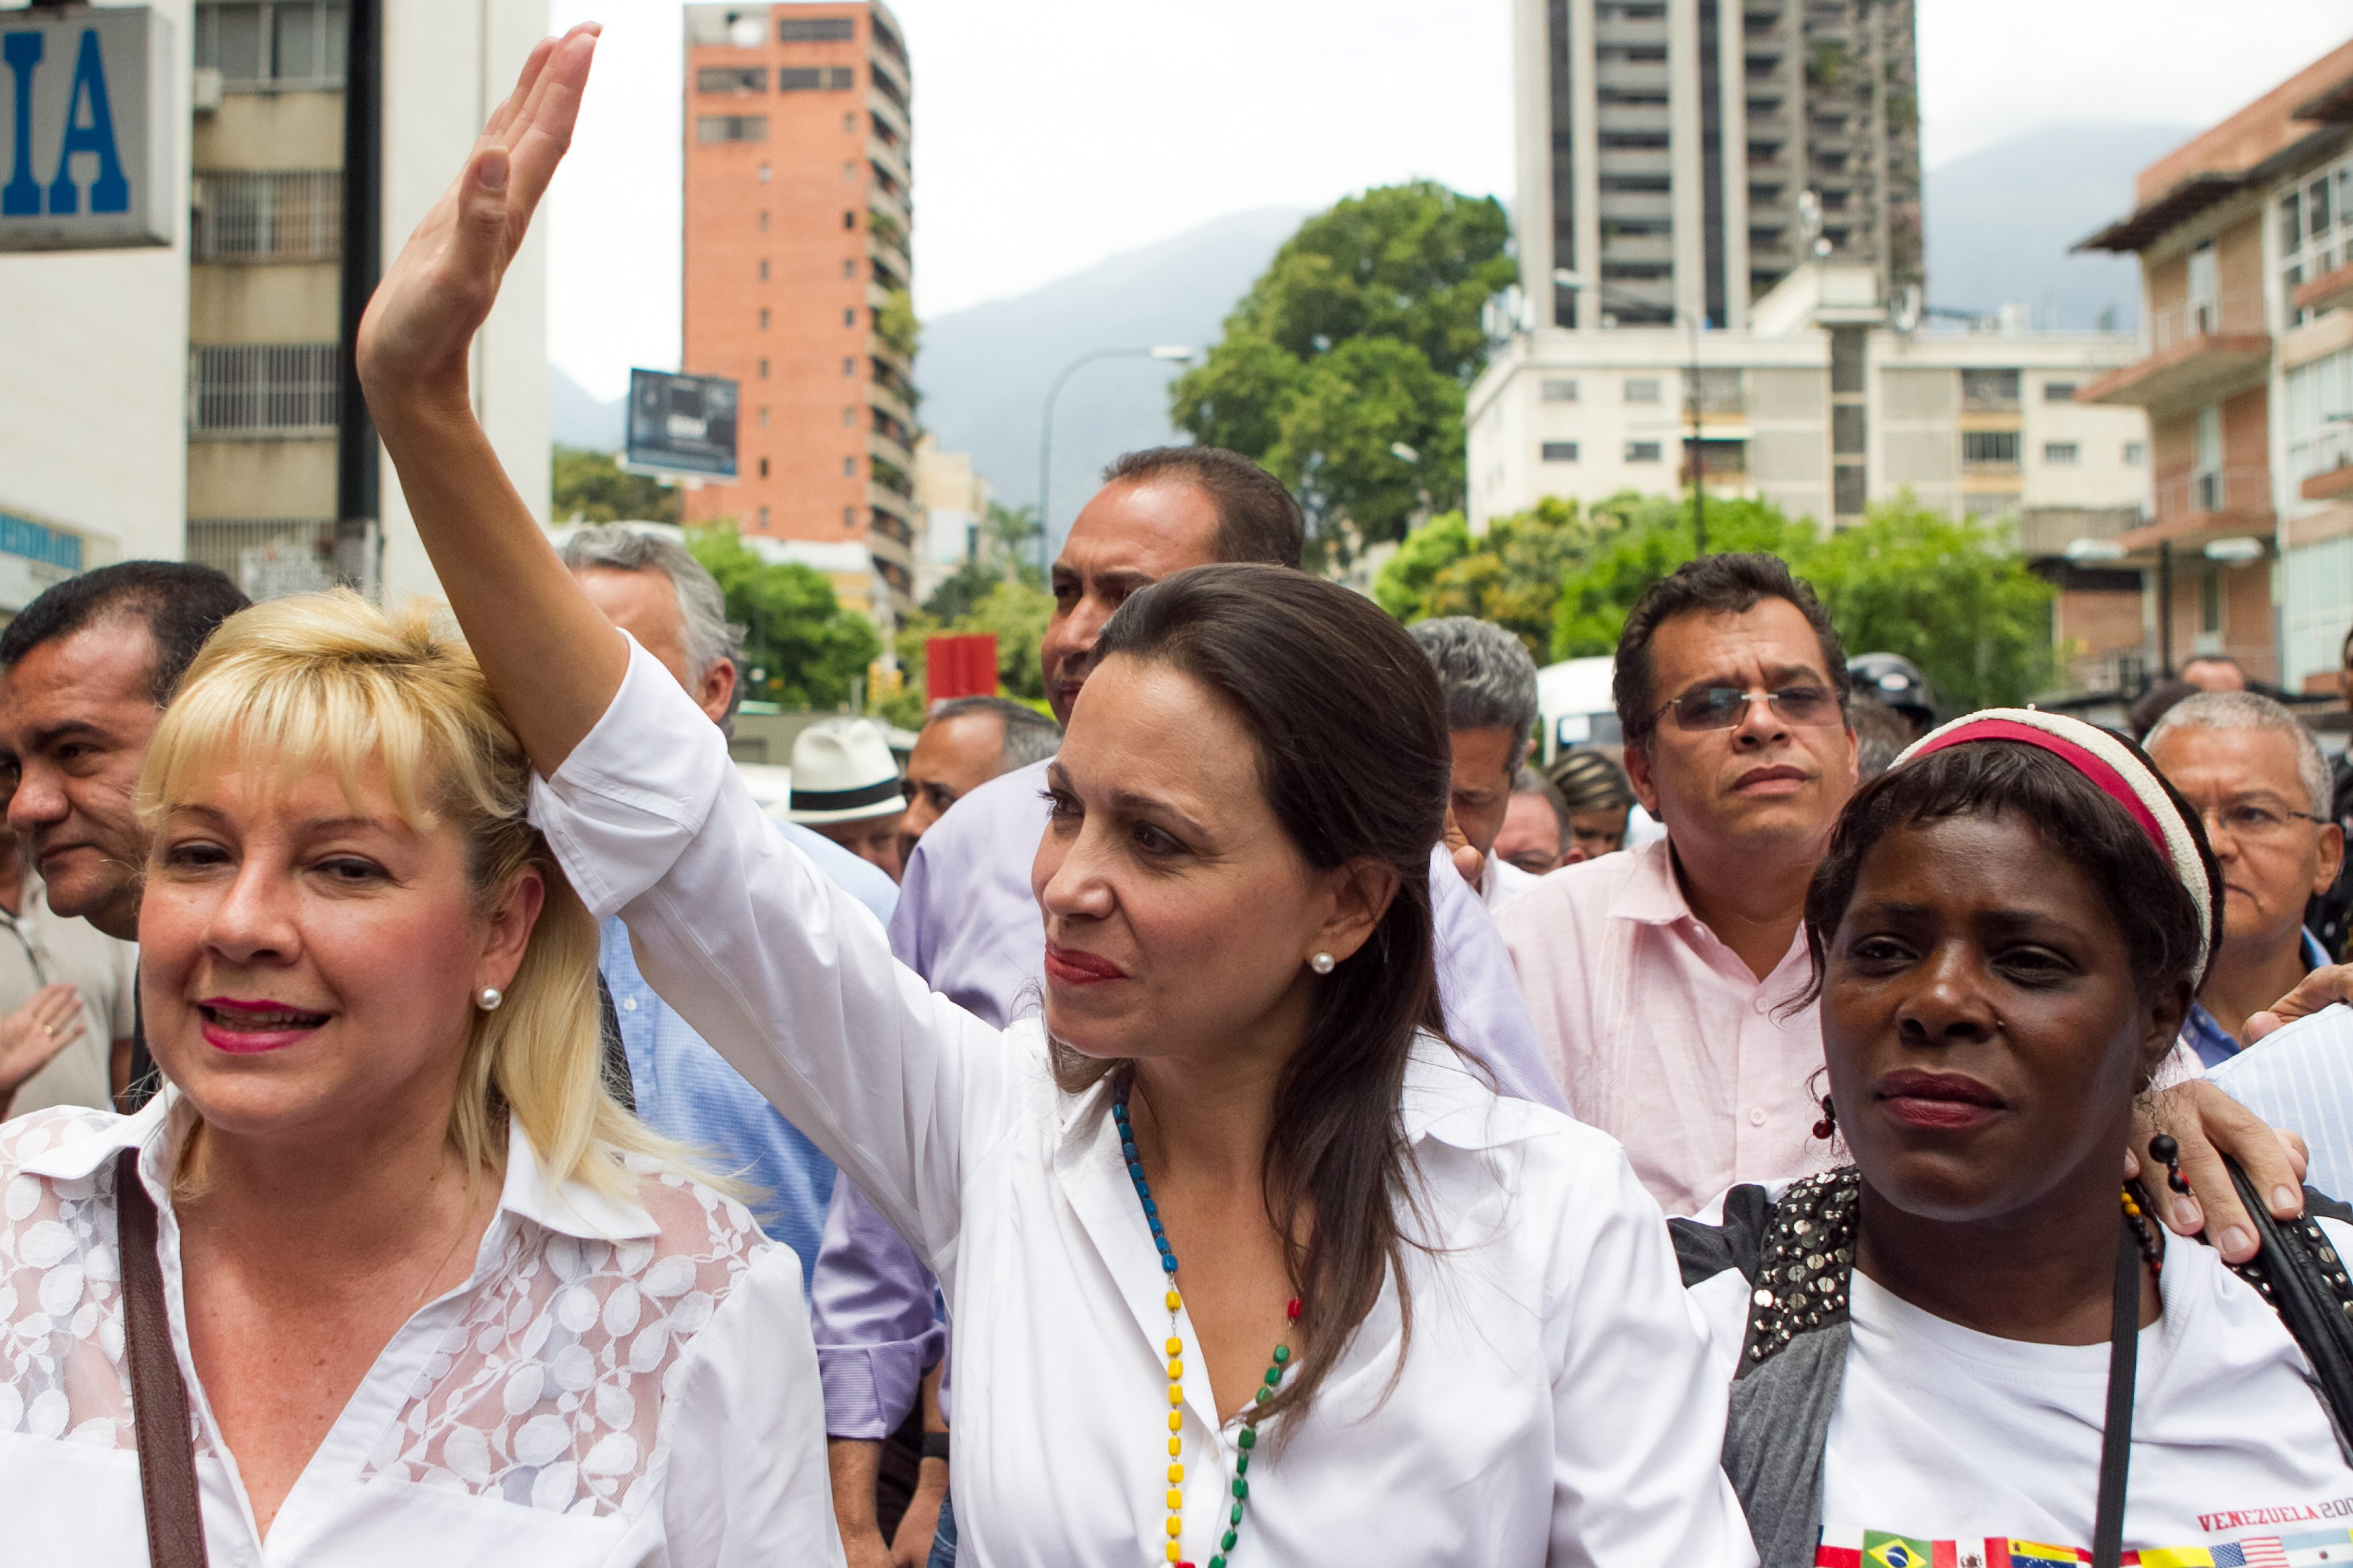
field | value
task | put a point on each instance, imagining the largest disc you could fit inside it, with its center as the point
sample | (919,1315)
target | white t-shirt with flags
(1955,1449)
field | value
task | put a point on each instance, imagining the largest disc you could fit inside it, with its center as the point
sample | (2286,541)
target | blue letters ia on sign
(89,128)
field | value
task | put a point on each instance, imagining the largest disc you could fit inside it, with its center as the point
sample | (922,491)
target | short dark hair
(1257,520)
(181,602)
(1727,585)
(1030,736)
(2075,819)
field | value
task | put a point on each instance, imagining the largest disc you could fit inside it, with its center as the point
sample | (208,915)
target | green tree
(1951,595)
(589,487)
(808,647)
(1511,575)
(1362,335)
(1654,537)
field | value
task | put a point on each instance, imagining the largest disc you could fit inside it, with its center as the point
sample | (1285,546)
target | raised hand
(420,324)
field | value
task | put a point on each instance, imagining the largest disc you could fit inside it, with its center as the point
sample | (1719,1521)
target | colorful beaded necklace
(1248,1439)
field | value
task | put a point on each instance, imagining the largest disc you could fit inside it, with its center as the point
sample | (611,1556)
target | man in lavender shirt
(968,923)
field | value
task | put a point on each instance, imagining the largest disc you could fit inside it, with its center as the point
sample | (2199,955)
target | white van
(1572,704)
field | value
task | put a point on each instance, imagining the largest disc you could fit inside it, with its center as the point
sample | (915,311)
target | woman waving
(1245,1263)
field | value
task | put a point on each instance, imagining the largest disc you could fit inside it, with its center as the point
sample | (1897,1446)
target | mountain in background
(985,369)
(576,419)
(2000,222)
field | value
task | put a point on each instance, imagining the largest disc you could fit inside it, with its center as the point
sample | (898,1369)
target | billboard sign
(87,135)
(681,424)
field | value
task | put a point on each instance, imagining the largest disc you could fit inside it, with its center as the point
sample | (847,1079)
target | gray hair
(704,629)
(1030,735)
(2250,711)
(1488,680)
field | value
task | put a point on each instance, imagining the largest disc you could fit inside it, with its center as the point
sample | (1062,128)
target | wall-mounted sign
(87,135)
(681,424)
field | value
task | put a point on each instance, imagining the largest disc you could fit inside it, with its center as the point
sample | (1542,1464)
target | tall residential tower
(797,217)
(1685,155)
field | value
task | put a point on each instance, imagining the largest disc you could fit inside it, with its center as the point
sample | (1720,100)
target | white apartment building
(1822,407)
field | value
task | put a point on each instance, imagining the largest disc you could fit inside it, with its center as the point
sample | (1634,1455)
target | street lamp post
(1174,352)
(1578,281)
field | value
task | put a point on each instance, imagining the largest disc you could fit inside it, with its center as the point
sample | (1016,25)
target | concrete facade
(798,209)
(263,290)
(1683,157)
(1591,415)
(93,409)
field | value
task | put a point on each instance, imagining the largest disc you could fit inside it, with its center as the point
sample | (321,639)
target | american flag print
(1845,1547)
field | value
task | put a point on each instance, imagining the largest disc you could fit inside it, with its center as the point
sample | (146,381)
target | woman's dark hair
(2075,820)
(1352,753)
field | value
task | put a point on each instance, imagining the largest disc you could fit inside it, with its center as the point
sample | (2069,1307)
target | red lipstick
(1069,967)
(247,1027)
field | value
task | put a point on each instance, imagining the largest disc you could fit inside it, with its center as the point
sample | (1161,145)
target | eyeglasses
(2252,821)
(1722,707)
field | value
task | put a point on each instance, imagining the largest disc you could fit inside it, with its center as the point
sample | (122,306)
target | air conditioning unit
(205,89)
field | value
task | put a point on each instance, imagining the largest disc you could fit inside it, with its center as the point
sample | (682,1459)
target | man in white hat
(846,786)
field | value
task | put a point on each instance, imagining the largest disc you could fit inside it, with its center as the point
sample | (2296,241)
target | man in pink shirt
(1665,980)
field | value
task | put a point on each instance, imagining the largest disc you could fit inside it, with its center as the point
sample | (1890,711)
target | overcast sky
(1052,133)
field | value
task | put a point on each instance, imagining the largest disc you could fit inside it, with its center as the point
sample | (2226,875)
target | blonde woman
(430,1294)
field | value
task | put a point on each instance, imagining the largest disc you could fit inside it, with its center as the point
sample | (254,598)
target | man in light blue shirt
(662,596)
(2253,772)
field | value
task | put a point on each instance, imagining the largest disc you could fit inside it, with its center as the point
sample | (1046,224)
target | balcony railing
(2232,316)
(2213,493)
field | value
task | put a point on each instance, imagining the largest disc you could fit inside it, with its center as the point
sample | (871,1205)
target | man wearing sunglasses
(1664,980)
(2254,772)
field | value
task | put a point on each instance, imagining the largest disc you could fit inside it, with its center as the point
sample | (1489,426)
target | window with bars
(293,215)
(1559,389)
(1559,451)
(2061,454)
(269,44)
(267,557)
(264,387)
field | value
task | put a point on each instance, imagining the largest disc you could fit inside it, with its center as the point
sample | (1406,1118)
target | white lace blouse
(615,1383)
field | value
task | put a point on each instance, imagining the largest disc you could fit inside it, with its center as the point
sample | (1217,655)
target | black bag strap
(159,1399)
(2116,1433)
(2299,1272)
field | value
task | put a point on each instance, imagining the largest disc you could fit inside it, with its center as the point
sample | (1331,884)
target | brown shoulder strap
(159,1400)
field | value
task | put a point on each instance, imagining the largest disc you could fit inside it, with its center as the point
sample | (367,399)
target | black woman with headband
(1971,1345)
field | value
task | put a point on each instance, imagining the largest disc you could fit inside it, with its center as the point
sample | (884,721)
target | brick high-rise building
(797,220)
(1685,156)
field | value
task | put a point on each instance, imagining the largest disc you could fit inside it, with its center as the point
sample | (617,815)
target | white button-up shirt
(1556,1406)
(616,1384)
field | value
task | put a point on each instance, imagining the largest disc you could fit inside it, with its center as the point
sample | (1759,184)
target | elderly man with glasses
(1665,982)
(2253,772)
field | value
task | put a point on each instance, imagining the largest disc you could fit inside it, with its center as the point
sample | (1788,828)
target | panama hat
(843,772)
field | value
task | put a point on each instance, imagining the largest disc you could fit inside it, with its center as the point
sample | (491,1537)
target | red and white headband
(2120,776)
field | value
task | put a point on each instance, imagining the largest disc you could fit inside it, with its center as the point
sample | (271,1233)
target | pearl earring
(1322,963)
(488,997)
